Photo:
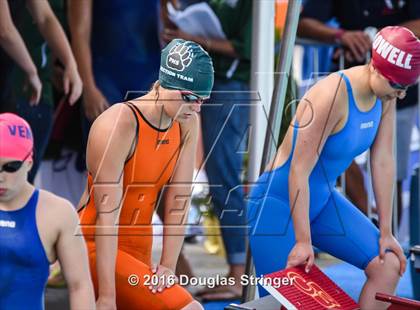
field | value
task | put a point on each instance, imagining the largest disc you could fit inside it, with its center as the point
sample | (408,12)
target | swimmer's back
(146,171)
(352,132)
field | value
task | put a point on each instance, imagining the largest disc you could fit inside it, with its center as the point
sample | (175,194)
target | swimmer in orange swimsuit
(139,152)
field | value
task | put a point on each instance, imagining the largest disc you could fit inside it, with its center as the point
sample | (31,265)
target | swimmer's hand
(106,304)
(165,278)
(388,242)
(301,254)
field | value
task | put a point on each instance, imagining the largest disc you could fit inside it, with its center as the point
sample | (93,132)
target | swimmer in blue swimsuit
(36,229)
(295,205)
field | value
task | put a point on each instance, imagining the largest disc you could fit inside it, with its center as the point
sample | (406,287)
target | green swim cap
(185,65)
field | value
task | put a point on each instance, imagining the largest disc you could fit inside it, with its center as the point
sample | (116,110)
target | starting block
(266,303)
(398,303)
(313,290)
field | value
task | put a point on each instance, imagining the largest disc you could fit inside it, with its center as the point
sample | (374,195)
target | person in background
(47,35)
(14,47)
(354,17)
(116,45)
(225,122)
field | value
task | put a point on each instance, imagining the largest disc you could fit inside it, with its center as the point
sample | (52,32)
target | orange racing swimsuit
(145,173)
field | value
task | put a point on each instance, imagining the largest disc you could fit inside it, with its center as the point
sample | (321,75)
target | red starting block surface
(398,303)
(313,290)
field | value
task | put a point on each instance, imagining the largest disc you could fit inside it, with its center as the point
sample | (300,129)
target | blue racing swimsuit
(337,226)
(24,266)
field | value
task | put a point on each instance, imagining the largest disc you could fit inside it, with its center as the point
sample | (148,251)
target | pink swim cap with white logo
(396,55)
(16,139)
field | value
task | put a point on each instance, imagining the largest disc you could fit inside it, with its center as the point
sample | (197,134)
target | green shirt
(39,52)
(236,19)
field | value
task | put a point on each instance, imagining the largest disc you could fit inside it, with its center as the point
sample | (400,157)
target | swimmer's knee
(390,266)
(194,305)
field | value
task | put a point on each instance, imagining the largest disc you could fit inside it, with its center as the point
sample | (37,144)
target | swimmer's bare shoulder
(58,225)
(55,215)
(111,137)
(327,99)
(117,119)
(332,87)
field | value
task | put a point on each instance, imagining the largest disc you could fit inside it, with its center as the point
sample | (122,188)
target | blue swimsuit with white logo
(24,266)
(337,226)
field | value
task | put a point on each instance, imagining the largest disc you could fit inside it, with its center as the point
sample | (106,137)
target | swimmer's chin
(186,117)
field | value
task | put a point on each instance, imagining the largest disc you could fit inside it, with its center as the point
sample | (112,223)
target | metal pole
(262,80)
(395,187)
(414,215)
(281,79)
(316,64)
(262,83)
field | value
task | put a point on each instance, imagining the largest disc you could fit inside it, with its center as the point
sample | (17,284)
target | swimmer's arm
(72,254)
(317,115)
(108,147)
(12,43)
(382,165)
(178,194)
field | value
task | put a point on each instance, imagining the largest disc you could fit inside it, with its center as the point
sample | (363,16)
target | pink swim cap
(16,140)
(396,55)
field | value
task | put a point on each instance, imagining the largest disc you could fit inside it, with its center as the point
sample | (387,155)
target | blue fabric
(125,46)
(125,50)
(24,266)
(225,122)
(324,61)
(325,54)
(337,226)
(217,305)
